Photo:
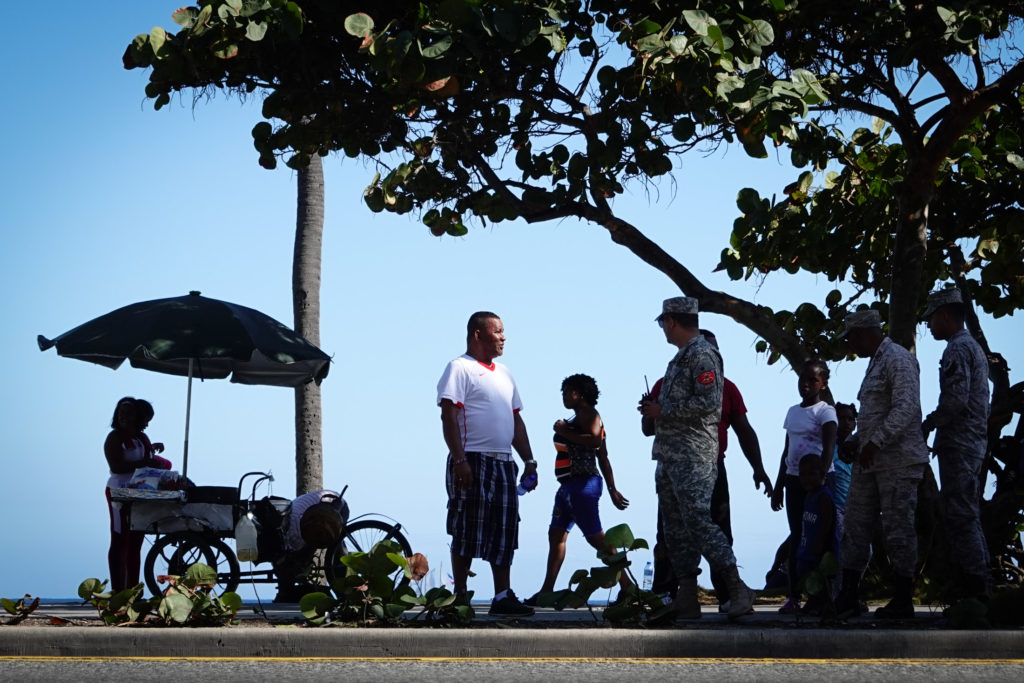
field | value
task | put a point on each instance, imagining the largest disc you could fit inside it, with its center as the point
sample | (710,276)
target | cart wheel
(174,553)
(360,537)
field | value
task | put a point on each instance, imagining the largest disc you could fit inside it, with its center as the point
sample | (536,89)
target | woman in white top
(125,450)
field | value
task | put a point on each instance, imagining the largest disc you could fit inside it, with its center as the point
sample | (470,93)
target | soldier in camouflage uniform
(687,412)
(889,456)
(961,438)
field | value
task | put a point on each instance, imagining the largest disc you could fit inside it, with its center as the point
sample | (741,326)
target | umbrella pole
(188,415)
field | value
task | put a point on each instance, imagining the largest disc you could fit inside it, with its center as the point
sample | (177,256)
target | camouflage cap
(860,320)
(940,298)
(678,304)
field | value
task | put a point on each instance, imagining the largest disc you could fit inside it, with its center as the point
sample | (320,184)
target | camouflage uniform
(961,439)
(686,448)
(889,417)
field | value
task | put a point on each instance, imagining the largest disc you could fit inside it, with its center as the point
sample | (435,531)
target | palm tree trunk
(309,228)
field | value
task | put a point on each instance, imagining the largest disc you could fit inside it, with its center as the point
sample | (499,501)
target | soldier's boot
(977,587)
(741,597)
(848,601)
(686,605)
(902,604)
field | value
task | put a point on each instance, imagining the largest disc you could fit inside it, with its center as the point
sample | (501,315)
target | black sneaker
(509,606)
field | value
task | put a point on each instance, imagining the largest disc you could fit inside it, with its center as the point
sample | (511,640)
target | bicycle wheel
(174,553)
(360,537)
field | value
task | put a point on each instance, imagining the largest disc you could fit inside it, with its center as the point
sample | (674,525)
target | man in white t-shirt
(481,425)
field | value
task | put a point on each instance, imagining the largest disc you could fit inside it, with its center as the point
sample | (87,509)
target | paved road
(515,670)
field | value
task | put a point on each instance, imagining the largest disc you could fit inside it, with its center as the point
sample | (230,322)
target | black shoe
(898,608)
(531,601)
(290,594)
(509,606)
(848,603)
(902,604)
(813,607)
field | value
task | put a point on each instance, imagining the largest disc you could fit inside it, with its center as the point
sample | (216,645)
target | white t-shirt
(488,399)
(803,427)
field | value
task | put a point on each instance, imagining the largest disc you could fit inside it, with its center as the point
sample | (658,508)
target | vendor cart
(193,525)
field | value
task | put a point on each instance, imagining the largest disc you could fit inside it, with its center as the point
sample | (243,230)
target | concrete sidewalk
(571,633)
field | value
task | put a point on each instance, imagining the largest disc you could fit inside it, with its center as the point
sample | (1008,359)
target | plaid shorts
(483,521)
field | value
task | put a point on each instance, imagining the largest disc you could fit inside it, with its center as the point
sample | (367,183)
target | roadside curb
(373,643)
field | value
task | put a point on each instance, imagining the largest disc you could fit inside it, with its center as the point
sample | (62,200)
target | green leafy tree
(787,73)
(845,229)
(494,110)
(486,110)
(227,45)
(941,85)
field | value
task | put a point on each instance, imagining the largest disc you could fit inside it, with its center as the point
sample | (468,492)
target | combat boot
(848,602)
(741,597)
(686,605)
(977,587)
(902,604)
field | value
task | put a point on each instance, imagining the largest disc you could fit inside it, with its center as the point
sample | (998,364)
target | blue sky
(108,202)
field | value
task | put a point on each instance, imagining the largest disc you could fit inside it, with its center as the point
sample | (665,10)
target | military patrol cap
(678,304)
(940,298)
(860,320)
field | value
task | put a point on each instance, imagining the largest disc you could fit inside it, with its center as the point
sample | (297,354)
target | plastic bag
(154,479)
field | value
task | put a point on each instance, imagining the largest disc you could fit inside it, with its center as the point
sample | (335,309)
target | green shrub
(187,601)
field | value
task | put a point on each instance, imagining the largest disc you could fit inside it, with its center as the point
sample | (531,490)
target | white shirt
(803,427)
(488,399)
(135,453)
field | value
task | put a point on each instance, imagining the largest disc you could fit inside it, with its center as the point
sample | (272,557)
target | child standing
(818,526)
(810,429)
(839,479)
(580,453)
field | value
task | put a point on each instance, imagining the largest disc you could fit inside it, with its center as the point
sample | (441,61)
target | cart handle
(263,476)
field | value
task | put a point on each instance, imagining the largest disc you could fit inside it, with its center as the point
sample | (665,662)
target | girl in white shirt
(810,430)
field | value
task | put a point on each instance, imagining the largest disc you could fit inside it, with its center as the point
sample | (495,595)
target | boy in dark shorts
(818,526)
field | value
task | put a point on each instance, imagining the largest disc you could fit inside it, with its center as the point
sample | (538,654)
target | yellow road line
(530,660)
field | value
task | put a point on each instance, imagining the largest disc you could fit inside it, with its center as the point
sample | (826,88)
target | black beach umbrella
(194,336)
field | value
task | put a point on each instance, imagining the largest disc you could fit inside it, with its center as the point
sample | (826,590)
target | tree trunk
(309,228)
(908,260)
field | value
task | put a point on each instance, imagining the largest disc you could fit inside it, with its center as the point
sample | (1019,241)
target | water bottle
(648,576)
(527,485)
(245,539)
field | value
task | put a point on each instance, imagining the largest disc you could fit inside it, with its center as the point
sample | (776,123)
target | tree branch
(945,75)
(756,318)
(979,69)
(590,70)
(862,106)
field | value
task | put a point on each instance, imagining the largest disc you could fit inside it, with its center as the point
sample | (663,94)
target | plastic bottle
(245,539)
(527,485)
(648,576)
